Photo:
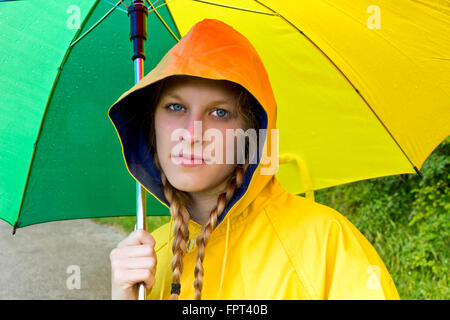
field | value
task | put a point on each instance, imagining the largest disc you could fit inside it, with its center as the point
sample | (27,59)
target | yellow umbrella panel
(362,90)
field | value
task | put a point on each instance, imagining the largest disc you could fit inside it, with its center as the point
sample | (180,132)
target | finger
(141,250)
(137,237)
(135,263)
(133,276)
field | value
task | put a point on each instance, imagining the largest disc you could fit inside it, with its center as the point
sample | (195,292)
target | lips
(188,160)
(190,157)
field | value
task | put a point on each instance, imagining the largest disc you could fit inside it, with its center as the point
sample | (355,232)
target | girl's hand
(133,261)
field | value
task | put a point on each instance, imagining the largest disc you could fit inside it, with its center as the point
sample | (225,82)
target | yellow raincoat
(269,243)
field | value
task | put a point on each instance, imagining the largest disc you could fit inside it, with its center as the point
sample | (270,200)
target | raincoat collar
(212,50)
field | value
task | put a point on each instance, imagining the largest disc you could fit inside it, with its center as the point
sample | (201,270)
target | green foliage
(407,220)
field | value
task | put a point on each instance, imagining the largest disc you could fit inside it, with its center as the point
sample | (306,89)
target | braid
(202,239)
(181,218)
(247,107)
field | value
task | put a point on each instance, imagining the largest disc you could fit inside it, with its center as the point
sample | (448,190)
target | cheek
(230,149)
(163,130)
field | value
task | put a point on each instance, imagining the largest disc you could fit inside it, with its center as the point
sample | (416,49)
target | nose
(194,128)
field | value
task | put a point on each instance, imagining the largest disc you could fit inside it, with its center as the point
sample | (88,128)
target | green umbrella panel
(60,157)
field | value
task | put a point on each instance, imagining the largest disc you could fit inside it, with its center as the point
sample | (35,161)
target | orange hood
(200,53)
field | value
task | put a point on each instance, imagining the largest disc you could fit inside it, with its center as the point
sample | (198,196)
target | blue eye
(177,107)
(221,113)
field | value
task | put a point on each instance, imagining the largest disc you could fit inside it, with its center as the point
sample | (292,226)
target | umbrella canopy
(362,91)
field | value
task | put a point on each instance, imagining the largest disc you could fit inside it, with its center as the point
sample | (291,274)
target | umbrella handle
(304,172)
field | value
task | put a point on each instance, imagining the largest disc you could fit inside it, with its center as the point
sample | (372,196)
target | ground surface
(57,260)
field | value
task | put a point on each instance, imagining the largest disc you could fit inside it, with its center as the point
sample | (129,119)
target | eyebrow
(221,101)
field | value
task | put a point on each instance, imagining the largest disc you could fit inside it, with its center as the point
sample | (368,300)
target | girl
(234,233)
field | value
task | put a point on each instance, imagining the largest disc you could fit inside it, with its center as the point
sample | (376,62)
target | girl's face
(189,99)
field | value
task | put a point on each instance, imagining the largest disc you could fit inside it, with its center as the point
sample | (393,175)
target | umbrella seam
(164,22)
(236,8)
(93,26)
(116,6)
(171,17)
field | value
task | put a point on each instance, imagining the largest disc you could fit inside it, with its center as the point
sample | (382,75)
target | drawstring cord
(167,260)
(224,258)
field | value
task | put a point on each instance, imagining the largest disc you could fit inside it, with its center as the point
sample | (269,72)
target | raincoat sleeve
(353,269)
(332,258)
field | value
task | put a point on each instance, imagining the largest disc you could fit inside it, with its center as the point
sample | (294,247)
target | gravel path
(57,260)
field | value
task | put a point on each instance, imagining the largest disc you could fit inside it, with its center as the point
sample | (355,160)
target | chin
(186,181)
(189,185)
(195,179)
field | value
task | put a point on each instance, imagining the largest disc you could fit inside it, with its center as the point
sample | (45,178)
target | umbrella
(362,92)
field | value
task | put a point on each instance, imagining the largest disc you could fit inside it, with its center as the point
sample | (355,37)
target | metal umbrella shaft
(138,13)
(141,217)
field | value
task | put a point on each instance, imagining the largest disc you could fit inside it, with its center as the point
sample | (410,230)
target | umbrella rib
(116,6)
(151,4)
(237,8)
(162,20)
(348,80)
(95,24)
(171,17)
(124,4)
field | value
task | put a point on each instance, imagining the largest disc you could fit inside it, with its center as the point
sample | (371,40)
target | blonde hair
(179,200)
